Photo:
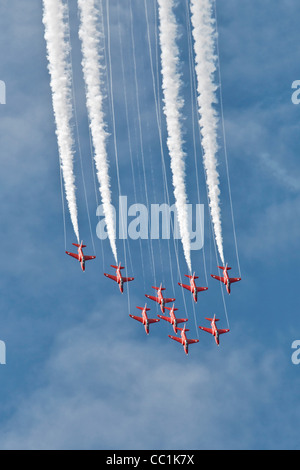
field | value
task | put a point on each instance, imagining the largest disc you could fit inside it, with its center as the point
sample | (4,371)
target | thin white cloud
(106,389)
(281,174)
(274,230)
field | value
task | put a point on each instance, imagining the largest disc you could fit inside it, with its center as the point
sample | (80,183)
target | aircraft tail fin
(212,319)
(117,267)
(181,329)
(141,308)
(157,288)
(170,309)
(222,267)
(191,277)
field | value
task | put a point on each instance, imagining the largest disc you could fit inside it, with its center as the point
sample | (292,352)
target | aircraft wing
(168,301)
(208,330)
(185,286)
(128,279)
(114,278)
(73,255)
(137,318)
(235,279)
(193,341)
(222,332)
(168,319)
(152,298)
(182,320)
(89,258)
(221,279)
(153,320)
(201,289)
(176,339)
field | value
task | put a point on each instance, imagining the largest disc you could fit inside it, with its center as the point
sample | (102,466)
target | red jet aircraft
(80,256)
(226,279)
(160,298)
(192,287)
(214,330)
(183,340)
(144,319)
(118,278)
(172,318)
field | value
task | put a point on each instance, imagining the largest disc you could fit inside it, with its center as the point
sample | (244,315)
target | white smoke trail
(90,40)
(204,34)
(56,33)
(172,108)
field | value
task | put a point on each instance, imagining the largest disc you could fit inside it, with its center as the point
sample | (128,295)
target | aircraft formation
(162,301)
(97,70)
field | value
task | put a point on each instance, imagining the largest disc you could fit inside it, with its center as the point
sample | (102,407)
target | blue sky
(80,373)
